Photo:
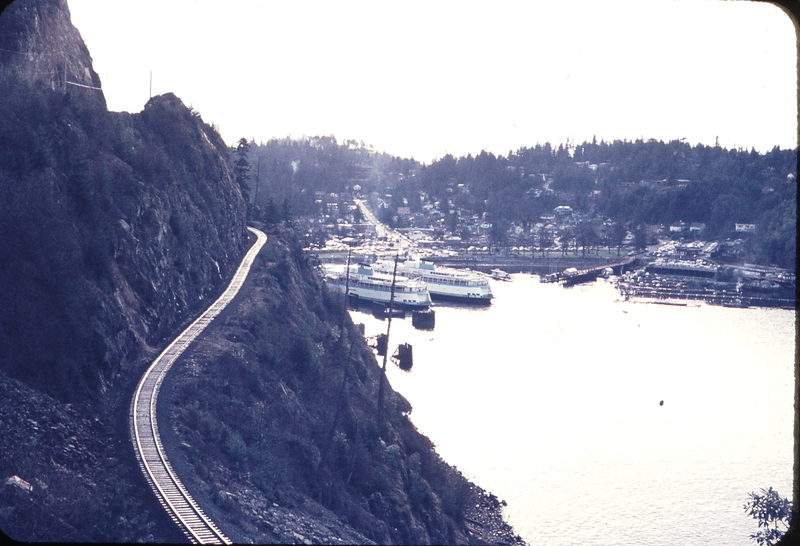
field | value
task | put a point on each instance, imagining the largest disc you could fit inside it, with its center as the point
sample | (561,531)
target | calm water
(550,399)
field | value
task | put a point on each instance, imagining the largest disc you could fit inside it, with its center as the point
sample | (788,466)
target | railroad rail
(169,490)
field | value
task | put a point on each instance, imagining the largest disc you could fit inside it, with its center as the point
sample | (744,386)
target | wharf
(537,265)
(591,273)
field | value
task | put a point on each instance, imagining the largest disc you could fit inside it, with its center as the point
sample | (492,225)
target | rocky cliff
(115,231)
(116,227)
(38,43)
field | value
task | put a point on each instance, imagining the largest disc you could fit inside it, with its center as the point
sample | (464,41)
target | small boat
(500,275)
(550,277)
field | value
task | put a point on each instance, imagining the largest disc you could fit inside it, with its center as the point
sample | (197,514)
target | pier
(570,278)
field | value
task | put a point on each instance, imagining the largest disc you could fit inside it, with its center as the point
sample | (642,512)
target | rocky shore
(484,518)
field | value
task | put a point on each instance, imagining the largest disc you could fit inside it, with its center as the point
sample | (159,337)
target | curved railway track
(169,490)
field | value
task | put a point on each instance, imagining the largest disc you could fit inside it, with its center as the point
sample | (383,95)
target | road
(402,242)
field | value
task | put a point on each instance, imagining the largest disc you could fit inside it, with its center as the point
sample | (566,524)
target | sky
(426,78)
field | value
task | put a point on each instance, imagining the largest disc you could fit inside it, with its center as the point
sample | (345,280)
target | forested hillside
(631,183)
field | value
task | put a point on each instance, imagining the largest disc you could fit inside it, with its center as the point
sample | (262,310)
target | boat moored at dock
(500,275)
(444,283)
(368,284)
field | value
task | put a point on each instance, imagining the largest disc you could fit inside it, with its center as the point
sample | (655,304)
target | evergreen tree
(271,215)
(241,167)
(286,210)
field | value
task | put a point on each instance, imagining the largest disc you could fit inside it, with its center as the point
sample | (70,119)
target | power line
(20,52)
(86,86)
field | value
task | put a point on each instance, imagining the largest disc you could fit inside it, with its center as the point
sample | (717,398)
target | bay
(551,399)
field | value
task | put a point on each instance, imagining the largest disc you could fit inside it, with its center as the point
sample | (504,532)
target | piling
(423,319)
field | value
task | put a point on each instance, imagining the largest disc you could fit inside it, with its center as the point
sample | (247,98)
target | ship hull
(404,297)
(459,298)
(446,284)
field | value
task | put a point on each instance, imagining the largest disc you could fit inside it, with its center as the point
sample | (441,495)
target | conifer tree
(241,167)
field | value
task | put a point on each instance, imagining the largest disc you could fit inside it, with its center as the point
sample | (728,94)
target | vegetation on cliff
(115,229)
(277,408)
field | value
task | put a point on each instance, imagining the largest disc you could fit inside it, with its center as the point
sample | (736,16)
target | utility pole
(347,283)
(255,199)
(386,353)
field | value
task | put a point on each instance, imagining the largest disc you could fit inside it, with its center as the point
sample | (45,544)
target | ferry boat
(368,284)
(444,283)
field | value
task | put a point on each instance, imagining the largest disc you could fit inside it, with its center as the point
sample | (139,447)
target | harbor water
(551,398)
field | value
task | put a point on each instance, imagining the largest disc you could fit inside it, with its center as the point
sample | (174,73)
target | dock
(578,276)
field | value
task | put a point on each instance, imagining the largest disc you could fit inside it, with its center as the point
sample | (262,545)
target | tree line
(633,183)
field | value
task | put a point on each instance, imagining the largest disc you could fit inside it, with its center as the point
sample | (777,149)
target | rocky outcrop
(116,227)
(38,43)
(79,488)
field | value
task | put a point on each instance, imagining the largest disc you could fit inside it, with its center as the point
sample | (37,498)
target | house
(562,211)
(745,228)
(697,227)
(677,227)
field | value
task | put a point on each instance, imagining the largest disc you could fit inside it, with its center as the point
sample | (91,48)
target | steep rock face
(39,43)
(116,228)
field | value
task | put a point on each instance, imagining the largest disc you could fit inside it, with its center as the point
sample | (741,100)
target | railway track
(169,490)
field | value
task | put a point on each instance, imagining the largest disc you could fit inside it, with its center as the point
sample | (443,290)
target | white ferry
(444,283)
(368,284)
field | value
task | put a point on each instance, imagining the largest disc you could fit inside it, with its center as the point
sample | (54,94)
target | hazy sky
(427,78)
